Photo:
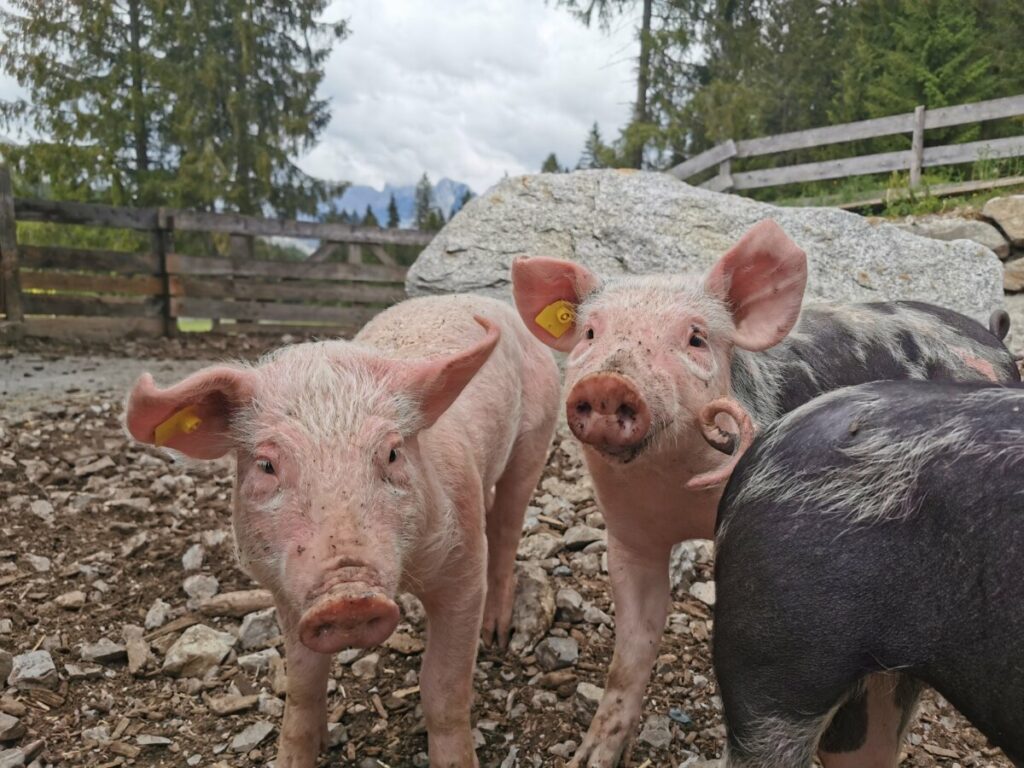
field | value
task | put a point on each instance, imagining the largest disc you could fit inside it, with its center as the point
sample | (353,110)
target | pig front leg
(454,612)
(640,588)
(304,728)
(504,529)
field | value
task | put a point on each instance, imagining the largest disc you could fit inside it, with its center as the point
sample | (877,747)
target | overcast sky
(468,89)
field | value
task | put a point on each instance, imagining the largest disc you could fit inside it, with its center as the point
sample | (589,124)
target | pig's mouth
(626,454)
(349,610)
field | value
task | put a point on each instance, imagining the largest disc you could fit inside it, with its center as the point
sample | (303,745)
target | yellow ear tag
(557,318)
(185,421)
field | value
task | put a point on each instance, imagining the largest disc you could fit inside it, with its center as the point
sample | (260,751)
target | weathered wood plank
(383,256)
(706,159)
(832,134)
(91,306)
(343,330)
(10,286)
(233,223)
(180,264)
(149,285)
(969,152)
(90,214)
(92,328)
(186,307)
(884,162)
(718,183)
(917,148)
(993,109)
(292,290)
(323,252)
(86,260)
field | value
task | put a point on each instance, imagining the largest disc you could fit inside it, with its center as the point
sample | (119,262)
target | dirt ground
(93,530)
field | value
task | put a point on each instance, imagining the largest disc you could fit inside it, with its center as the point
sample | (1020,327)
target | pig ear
(540,283)
(762,279)
(437,382)
(193,416)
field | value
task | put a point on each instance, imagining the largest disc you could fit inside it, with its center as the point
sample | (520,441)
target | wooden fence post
(242,250)
(10,281)
(725,175)
(917,148)
(161,242)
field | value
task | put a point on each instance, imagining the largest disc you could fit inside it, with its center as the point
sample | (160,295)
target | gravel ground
(111,553)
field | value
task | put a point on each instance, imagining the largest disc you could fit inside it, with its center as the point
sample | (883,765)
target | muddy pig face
(647,353)
(331,496)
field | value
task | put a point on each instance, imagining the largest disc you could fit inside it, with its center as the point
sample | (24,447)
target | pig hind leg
(504,529)
(866,732)
(864,728)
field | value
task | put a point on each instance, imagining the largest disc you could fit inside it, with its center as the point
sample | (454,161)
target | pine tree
(434,221)
(370,218)
(551,165)
(596,154)
(634,137)
(393,219)
(196,105)
(424,202)
(93,80)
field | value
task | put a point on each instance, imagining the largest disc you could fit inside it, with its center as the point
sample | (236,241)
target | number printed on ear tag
(557,318)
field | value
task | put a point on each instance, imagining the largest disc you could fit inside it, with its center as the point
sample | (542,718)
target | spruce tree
(393,219)
(370,218)
(424,200)
(550,164)
(197,105)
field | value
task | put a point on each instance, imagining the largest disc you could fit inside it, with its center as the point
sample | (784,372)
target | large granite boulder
(635,222)
(958,228)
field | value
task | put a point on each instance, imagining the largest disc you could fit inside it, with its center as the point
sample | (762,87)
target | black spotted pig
(401,460)
(869,543)
(647,355)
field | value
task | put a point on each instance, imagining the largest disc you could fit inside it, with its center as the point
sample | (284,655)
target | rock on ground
(1008,214)
(958,228)
(534,609)
(34,669)
(634,222)
(199,649)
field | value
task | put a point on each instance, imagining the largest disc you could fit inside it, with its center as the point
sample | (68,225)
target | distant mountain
(447,196)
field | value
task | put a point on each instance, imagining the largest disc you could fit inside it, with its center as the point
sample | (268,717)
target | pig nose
(606,410)
(348,620)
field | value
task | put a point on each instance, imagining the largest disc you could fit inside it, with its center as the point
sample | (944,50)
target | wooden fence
(913,160)
(99,294)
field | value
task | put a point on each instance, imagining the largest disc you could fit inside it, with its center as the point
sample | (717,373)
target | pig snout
(348,614)
(605,410)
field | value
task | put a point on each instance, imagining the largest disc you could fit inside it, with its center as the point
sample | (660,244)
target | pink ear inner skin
(213,392)
(539,282)
(762,278)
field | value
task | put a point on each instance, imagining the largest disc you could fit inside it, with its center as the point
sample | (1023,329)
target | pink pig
(403,460)
(648,366)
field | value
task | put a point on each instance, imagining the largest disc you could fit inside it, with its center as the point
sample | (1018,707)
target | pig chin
(351,609)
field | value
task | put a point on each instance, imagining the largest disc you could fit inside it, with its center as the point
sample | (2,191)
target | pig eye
(590,333)
(393,456)
(265,466)
(698,341)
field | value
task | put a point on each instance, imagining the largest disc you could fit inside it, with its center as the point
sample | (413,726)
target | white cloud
(467,90)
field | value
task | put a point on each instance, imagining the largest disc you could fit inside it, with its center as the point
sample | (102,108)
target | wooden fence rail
(913,160)
(94,293)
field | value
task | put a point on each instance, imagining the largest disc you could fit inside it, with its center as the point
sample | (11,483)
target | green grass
(194,325)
